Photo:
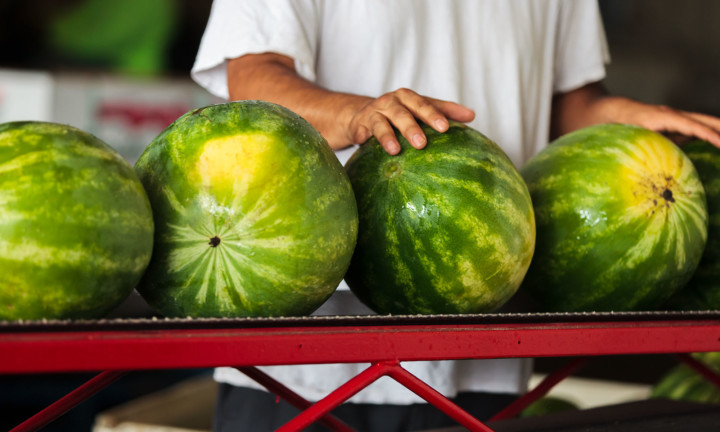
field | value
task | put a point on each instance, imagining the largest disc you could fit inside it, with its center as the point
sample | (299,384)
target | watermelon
(254,214)
(548,405)
(76,227)
(683,383)
(621,217)
(703,290)
(448,229)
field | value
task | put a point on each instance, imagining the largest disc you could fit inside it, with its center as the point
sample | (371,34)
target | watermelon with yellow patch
(254,214)
(447,229)
(621,216)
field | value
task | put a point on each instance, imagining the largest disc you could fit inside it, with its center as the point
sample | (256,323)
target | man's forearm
(272,78)
(342,118)
(575,109)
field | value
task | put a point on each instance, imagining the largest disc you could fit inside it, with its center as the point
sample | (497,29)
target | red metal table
(114,347)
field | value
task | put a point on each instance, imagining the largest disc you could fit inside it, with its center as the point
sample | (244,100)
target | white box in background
(25,95)
(127,113)
(187,406)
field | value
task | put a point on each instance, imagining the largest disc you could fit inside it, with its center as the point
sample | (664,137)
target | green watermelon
(446,229)
(548,405)
(254,214)
(703,290)
(683,383)
(621,219)
(76,227)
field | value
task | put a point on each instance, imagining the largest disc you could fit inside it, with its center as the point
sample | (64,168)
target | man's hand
(342,118)
(665,119)
(592,105)
(402,109)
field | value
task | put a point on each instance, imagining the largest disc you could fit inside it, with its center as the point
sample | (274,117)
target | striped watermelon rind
(703,290)
(76,227)
(685,384)
(621,216)
(548,405)
(446,229)
(254,214)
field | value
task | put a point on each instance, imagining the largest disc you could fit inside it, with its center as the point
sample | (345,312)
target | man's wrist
(340,118)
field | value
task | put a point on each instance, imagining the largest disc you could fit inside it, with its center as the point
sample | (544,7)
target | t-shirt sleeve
(581,46)
(239,27)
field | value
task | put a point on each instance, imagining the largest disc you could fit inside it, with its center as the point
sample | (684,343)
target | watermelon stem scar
(214,242)
(392,169)
(668,196)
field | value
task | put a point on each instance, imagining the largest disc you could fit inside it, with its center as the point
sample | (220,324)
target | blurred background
(120,70)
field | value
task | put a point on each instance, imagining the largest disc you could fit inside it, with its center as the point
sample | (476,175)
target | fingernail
(393,147)
(418,140)
(441,124)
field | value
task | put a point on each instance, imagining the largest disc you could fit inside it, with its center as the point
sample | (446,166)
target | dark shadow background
(663,51)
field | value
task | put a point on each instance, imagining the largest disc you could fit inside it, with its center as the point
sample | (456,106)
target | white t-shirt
(502,58)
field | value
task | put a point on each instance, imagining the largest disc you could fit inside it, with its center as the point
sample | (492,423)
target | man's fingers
(710,127)
(434,112)
(423,109)
(385,134)
(408,126)
(705,133)
(709,120)
(404,109)
(693,124)
(454,111)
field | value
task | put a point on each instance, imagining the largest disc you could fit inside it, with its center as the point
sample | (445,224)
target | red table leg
(292,398)
(700,368)
(68,401)
(436,399)
(367,377)
(540,390)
